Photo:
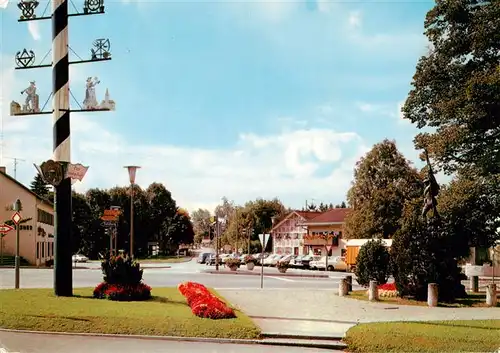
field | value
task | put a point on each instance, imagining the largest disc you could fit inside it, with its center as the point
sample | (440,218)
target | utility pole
(16,162)
(25,59)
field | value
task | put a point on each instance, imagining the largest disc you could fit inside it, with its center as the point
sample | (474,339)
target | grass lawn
(165,259)
(472,300)
(167,314)
(438,336)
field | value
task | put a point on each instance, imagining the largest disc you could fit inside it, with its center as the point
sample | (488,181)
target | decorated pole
(63,275)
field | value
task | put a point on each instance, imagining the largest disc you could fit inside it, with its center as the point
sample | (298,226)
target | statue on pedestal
(431,190)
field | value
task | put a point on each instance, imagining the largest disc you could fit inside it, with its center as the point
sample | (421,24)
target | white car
(335,263)
(79,258)
(272,260)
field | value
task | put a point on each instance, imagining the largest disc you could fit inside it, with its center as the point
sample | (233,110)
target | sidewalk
(324,313)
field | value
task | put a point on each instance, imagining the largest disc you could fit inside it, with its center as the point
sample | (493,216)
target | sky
(242,99)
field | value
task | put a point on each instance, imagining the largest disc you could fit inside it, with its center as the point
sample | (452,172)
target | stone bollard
(432,294)
(343,288)
(491,295)
(349,283)
(474,284)
(373,291)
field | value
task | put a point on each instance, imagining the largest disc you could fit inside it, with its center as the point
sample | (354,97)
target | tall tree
(456,87)
(383,181)
(39,186)
(201,222)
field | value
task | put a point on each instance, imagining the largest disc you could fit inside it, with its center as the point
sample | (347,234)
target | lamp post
(264,243)
(132,169)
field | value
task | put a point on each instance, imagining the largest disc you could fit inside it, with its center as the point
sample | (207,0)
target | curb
(184,339)
(223,272)
(80,268)
(304,337)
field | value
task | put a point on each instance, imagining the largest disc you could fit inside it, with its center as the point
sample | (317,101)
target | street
(39,343)
(171,277)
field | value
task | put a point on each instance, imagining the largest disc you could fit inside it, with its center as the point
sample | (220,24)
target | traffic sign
(16,218)
(329,247)
(4,228)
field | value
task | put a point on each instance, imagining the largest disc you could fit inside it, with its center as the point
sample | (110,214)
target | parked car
(79,258)
(306,260)
(296,262)
(335,263)
(272,260)
(203,257)
(261,258)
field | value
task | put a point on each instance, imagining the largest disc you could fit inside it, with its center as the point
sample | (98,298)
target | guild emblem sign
(52,172)
(25,58)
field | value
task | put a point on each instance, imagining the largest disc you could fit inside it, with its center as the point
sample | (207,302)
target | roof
(307,215)
(333,216)
(25,188)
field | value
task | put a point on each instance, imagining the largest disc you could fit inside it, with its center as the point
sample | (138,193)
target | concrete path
(324,313)
(42,343)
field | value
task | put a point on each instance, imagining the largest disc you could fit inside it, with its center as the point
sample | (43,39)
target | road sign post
(16,218)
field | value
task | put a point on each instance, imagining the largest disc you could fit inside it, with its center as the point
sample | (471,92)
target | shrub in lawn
(373,263)
(122,280)
(203,303)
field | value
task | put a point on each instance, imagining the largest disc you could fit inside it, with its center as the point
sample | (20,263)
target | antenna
(16,162)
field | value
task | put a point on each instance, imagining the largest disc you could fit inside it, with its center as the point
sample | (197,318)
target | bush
(250,259)
(129,292)
(282,264)
(233,262)
(203,303)
(373,263)
(122,280)
(121,270)
(423,252)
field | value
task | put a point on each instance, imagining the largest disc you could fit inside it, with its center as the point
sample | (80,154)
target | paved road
(37,343)
(170,277)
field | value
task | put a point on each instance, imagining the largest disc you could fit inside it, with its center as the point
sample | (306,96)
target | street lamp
(132,169)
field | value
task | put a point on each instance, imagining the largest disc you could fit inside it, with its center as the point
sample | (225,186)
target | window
(45,217)
(25,227)
(52,246)
(43,249)
(37,249)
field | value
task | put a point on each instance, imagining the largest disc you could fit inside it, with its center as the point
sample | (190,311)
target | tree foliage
(471,206)
(254,218)
(40,187)
(157,219)
(373,263)
(456,87)
(383,181)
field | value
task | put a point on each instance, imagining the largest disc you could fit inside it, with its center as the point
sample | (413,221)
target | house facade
(36,234)
(325,233)
(288,235)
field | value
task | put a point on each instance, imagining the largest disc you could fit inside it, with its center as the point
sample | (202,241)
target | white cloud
(34,30)
(3,4)
(354,20)
(277,165)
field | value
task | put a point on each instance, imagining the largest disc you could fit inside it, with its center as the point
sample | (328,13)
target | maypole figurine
(90,101)
(31,102)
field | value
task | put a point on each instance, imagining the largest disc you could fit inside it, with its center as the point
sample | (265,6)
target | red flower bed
(388,286)
(123,292)
(203,303)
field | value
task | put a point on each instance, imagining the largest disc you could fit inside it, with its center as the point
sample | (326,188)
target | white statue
(31,103)
(90,101)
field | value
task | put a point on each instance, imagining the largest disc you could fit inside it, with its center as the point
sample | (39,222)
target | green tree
(201,223)
(373,263)
(383,180)
(84,240)
(456,86)
(39,186)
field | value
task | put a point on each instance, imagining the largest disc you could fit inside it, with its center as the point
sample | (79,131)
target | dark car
(203,257)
